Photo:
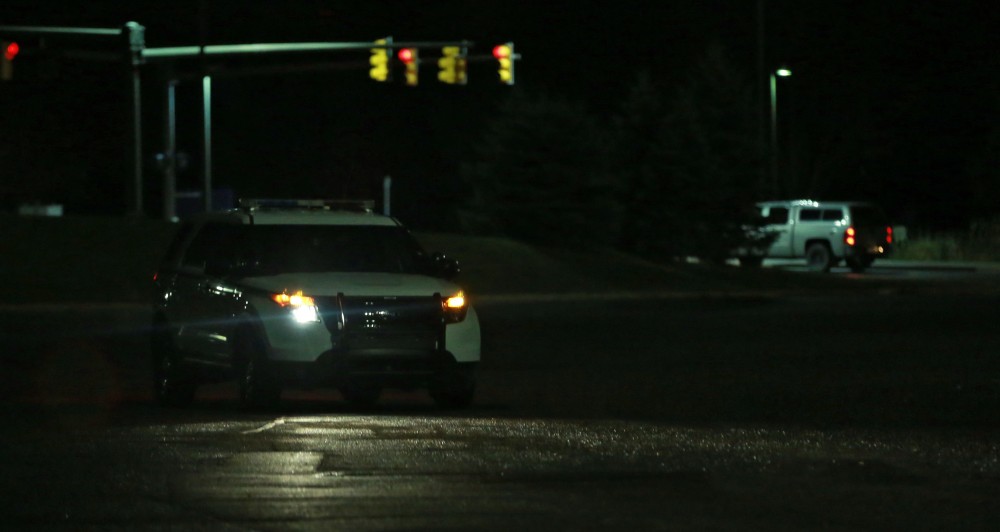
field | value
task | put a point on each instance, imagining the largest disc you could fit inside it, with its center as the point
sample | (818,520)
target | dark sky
(905,92)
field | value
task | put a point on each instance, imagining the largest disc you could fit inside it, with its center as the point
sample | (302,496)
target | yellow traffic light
(380,61)
(411,59)
(504,54)
(453,65)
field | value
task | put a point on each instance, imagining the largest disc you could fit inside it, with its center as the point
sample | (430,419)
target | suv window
(215,241)
(180,237)
(331,248)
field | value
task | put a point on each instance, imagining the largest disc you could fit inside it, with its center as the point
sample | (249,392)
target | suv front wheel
(172,384)
(258,387)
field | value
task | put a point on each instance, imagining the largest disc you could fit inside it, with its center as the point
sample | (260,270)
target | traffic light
(380,61)
(452,63)
(10,50)
(504,54)
(411,60)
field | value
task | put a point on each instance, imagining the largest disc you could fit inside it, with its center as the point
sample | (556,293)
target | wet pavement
(873,412)
(411,470)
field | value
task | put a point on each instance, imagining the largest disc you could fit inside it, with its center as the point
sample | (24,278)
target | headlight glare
(305,314)
(455,307)
(456,301)
(303,308)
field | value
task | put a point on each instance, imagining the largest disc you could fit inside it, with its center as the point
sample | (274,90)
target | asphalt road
(840,411)
(894,269)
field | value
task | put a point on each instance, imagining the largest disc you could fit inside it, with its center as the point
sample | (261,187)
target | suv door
(201,306)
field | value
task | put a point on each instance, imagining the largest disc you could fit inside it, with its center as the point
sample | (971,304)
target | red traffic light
(501,51)
(11,50)
(407,55)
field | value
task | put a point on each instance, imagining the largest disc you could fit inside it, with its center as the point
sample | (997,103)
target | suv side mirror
(445,267)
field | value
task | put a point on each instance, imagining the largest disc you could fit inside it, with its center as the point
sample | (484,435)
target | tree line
(673,173)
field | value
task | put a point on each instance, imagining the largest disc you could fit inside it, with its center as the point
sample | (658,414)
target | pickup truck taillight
(850,236)
(888,234)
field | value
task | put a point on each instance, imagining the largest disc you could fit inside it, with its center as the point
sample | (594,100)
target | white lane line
(269,426)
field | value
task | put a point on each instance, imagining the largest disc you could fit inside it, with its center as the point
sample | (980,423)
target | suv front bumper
(405,370)
(289,341)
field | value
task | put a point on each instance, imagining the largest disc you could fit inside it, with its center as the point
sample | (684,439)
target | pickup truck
(823,233)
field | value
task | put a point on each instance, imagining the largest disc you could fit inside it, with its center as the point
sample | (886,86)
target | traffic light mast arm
(176,52)
(52,30)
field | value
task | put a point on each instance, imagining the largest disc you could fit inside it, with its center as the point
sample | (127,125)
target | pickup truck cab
(824,233)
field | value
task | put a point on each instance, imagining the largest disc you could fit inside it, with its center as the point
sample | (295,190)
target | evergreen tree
(688,168)
(713,158)
(639,166)
(541,176)
(984,172)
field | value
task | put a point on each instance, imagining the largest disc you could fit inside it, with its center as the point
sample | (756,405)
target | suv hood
(353,284)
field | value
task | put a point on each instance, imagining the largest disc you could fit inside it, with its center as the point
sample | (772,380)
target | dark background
(894,101)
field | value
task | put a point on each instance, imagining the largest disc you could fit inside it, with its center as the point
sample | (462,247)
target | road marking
(277,422)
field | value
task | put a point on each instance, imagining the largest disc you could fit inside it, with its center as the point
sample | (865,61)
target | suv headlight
(455,307)
(302,308)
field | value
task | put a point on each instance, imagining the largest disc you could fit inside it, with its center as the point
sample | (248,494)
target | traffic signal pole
(138,55)
(169,161)
(134,36)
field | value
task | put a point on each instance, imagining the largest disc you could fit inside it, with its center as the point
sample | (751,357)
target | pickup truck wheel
(173,386)
(818,257)
(857,264)
(258,388)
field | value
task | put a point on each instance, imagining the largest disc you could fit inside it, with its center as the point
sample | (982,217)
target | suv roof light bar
(307,204)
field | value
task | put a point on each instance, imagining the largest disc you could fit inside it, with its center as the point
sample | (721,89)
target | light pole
(782,72)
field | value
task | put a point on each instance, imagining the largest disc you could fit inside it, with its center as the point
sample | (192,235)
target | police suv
(309,293)
(823,232)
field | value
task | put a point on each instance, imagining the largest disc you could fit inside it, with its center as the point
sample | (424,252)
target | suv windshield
(274,249)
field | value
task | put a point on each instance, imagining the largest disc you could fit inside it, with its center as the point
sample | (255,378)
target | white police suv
(309,293)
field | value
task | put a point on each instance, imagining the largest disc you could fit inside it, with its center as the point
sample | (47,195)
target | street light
(782,72)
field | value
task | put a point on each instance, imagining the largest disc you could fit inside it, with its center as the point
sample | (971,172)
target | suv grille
(384,322)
